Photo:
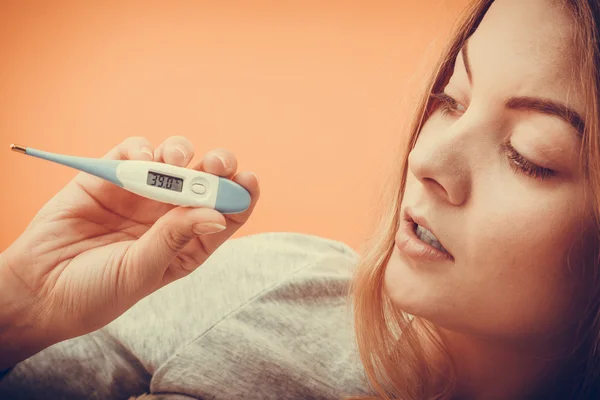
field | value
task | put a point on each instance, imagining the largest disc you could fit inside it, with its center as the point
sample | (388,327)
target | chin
(405,288)
(416,293)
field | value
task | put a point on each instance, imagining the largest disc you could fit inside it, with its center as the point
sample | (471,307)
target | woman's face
(495,176)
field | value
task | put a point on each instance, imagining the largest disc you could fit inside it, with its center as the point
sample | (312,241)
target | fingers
(132,148)
(176,150)
(249,181)
(156,249)
(220,162)
(179,151)
(160,246)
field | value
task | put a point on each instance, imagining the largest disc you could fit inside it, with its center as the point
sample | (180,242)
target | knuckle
(135,141)
(225,154)
(224,151)
(178,140)
(179,137)
(175,240)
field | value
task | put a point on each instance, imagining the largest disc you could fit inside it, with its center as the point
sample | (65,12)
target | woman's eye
(448,104)
(521,165)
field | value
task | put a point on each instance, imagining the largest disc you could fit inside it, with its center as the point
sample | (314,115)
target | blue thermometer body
(158,181)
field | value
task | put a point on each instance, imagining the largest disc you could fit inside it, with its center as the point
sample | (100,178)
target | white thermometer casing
(197,189)
(162,182)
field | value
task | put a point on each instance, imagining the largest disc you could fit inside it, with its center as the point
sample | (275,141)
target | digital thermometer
(158,181)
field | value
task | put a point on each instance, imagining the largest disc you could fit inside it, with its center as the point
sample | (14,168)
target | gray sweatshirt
(267,316)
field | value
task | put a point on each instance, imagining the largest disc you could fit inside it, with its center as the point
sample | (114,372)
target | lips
(423,223)
(410,222)
(429,238)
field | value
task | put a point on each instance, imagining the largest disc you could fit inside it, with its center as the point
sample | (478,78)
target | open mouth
(426,236)
(415,238)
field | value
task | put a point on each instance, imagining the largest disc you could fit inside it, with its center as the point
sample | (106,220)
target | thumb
(152,253)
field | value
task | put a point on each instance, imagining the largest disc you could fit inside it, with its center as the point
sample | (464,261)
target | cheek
(516,265)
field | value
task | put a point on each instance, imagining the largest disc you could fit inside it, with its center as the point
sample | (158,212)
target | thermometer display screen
(164,181)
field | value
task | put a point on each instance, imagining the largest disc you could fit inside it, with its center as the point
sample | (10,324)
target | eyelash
(517,162)
(449,104)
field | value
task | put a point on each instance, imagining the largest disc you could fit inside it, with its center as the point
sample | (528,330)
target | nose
(439,161)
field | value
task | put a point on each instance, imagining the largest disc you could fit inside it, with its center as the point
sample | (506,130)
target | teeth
(429,238)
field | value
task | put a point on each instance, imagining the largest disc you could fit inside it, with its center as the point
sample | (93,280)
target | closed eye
(449,105)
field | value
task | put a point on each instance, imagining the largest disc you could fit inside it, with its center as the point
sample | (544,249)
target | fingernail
(207,227)
(225,163)
(148,152)
(254,175)
(182,152)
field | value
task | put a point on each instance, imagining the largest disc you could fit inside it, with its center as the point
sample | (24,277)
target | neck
(490,369)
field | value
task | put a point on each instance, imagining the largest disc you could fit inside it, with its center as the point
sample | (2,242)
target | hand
(95,249)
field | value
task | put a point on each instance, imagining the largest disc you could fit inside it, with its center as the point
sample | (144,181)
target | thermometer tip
(17,148)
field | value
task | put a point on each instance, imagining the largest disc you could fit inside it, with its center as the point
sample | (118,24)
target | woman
(481,285)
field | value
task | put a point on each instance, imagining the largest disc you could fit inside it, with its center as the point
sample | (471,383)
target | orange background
(312,96)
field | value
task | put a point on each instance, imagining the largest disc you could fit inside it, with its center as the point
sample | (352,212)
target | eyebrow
(548,107)
(544,106)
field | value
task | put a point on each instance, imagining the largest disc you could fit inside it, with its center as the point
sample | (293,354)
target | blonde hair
(397,366)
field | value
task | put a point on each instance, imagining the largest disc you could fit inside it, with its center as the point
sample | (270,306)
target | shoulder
(288,334)
(237,274)
(287,244)
(246,267)
(284,251)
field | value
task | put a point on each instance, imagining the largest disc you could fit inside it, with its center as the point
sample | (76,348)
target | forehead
(525,48)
